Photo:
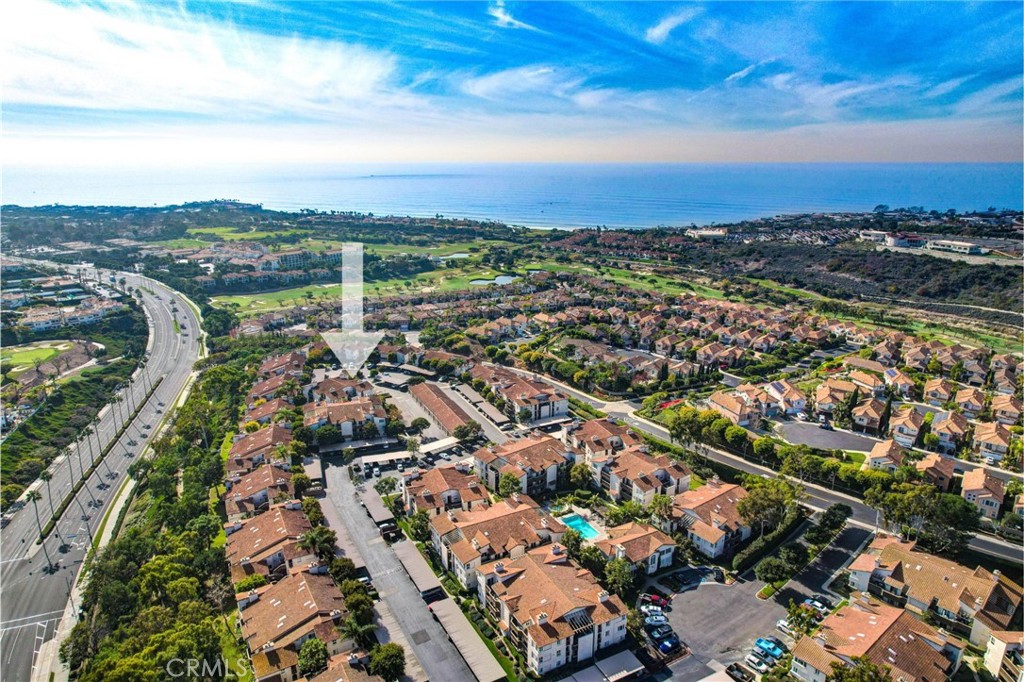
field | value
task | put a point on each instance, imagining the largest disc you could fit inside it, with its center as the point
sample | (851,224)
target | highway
(33,598)
(815,496)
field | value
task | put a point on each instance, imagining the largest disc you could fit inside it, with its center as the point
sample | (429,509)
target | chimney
(542,618)
(995,575)
(499,567)
(620,552)
(556,549)
(602,596)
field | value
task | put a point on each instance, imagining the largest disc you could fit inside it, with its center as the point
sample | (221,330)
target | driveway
(813,578)
(491,432)
(435,652)
(410,410)
(805,433)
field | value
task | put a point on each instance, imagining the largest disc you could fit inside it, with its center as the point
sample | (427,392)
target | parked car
(401,467)
(783,625)
(653,599)
(779,643)
(376,472)
(670,645)
(817,606)
(771,648)
(739,672)
(825,425)
(656,619)
(757,663)
(823,599)
(649,609)
(660,632)
(802,416)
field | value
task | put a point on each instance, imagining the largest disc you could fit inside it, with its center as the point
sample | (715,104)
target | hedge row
(769,541)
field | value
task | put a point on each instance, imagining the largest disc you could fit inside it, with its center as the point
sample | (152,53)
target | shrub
(746,558)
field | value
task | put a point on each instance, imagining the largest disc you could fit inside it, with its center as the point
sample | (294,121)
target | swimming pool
(578,523)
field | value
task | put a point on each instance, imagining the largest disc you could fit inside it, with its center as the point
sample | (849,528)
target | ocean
(542,195)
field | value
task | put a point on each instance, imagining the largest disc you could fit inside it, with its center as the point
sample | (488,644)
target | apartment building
(709,517)
(537,460)
(268,544)
(634,474)
(647,549)
(444,488)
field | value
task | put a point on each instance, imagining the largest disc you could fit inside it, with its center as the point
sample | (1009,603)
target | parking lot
(808,433)
(719,623)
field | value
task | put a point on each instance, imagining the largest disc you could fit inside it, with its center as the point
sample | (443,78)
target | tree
(388,661)
(361,607)
(592,559)
(508,484)
(34,497)
(524,415)
(385,486)
(420,424)
(801,618)
(356,631)
(862,670)
(772,570)
(572,540)
(618,574)
(301,483)
(580,475)
(661,506)
(835,516)
(312,657)
(767,501)
(342,569)
(321,541)
(764,448)
(314,514)
(794,554)
(412,446)
(467,432)
(419,525)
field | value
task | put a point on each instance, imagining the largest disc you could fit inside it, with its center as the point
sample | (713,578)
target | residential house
(464,540)
(733,406)
(538,461)
(268,544)
(889,637)
(938,392)
(253,492)
(265,412)
(984,491)
(354,419)
(438,490)
(831,392)
(552,612)
(292,364)
(277,620)
(867,416)
(645,547)
(951,428)
(970,401)
(269,388)
(634,474)
(870,384)
(900,381)
(969,602)
(250,450)
(905,426)
(1006,409)
(886,455)
(937,470)
(788,398)
(709,517)
(1004,655)
(599,438)
(991,439)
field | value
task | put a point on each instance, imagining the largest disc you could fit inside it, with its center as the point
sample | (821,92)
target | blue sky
(320,82)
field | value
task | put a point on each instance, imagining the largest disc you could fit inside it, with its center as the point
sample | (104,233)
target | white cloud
(660,31)
(132,58)
(946,87)
(541,80)
(504,19)
(742,73)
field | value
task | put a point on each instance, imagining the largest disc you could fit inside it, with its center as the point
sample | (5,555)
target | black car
(739,672)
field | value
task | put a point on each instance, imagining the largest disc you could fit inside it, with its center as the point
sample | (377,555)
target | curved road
(32,599)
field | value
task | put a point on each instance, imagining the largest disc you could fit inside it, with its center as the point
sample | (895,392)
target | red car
(653,599)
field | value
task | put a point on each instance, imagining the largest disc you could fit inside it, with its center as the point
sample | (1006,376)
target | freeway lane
(817,496)
(31,599)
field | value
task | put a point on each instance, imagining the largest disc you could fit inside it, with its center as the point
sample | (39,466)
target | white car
(757,663)
(650,609)
(783,625)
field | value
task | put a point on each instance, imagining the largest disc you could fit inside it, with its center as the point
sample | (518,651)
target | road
(32,599)
(816,496)
(438,656)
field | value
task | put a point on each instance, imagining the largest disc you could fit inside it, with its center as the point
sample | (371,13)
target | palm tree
(86,432)
(34,497)
(356,631)
(46,476)
(320,540)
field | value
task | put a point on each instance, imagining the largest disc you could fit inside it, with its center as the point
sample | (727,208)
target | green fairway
(233,234)
(24,357)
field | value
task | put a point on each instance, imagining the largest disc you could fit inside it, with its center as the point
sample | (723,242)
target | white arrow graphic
(352,344)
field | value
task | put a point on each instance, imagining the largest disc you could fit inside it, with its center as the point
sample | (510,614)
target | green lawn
(854,457)
(233,234)
(183,243)
(24,357)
